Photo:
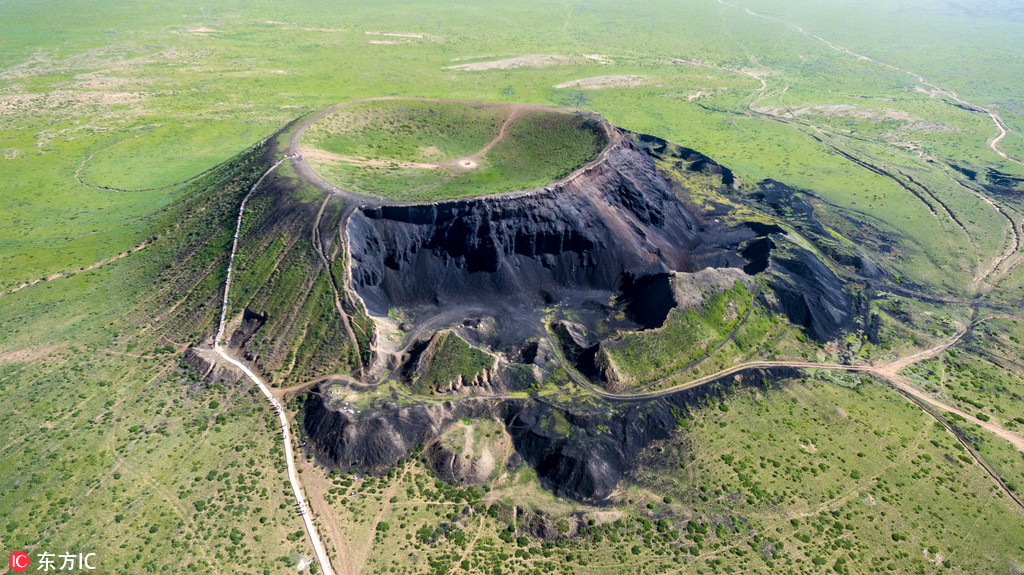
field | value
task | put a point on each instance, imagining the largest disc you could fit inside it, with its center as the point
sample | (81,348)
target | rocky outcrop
(580,453)
(583,454)
(684,158)
(618,217)
(794,207)
(809,294)
(463,455)
(800,285)
(376,439)
(455,467)
(690,290)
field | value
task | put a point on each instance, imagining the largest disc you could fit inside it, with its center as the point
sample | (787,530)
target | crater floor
(424,150)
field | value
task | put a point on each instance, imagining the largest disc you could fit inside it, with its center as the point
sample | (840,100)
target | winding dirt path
(982,274)
(902,385)
(501,132)
(234,247)
(293,478)
(996,119)
(93,266)
(78,177)
(458,164)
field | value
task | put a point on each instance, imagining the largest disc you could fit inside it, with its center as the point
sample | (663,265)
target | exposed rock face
(691,290)
(792,205)
(577,453)
(451,466)
(461,455)
(618,218)
(583,455)
(686,158)
(615,229)
(802,287)
(251,323)
(810,294)
(376,439)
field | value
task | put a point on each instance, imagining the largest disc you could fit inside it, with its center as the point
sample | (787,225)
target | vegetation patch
(449,359)
(429,150)
(641,357)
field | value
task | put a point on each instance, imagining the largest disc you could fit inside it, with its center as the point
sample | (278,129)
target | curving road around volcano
(888,372)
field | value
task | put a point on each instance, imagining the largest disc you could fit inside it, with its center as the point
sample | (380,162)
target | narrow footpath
(293,477)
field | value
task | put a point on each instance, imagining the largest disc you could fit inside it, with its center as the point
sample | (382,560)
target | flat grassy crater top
(428,150)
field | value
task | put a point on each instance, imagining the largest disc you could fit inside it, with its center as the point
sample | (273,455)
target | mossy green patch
(687,336)
(451,359)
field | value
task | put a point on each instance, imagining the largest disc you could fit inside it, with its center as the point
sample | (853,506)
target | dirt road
(889,372)
(293,478)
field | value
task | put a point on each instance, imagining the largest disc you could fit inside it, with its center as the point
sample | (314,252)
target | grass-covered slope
(111,445)
(449,359)
(282,300)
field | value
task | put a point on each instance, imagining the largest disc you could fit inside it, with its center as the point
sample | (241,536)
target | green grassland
(412,150)
(689,336)
(163,101)
(830,473)
(113,445)
(407,130)
(982,376)
(113,448)
(116,119)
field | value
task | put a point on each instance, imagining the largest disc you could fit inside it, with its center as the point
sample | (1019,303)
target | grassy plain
(175,92)
(109,108)
(831,474)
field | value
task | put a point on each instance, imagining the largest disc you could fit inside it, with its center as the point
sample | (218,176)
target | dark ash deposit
(604,243)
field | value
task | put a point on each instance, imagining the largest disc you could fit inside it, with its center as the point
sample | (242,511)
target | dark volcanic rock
(376,439)
(619,217)
(584,454)
(648,299)
(810,294)
(251,323)
(578,453)
(790,205)
(614,229)
(684,158)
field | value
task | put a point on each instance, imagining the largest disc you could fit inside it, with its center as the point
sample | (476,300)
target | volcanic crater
(486,291)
